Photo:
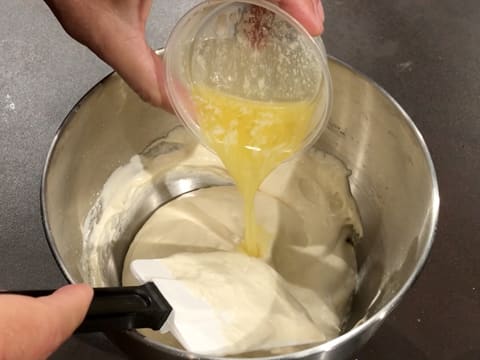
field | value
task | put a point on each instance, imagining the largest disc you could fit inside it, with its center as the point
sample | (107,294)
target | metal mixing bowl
(393,181)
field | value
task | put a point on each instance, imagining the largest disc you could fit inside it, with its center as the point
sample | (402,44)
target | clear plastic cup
(250,49)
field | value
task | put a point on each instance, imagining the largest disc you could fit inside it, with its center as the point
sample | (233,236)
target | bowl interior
(392,180)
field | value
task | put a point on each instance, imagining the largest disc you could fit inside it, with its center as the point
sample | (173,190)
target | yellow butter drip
(251,138)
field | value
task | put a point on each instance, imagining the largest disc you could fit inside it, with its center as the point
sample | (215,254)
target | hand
(115,31)
(32,328)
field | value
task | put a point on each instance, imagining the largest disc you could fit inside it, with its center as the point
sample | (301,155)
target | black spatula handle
(119,308)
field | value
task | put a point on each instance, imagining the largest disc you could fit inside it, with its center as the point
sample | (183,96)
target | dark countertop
(425,53)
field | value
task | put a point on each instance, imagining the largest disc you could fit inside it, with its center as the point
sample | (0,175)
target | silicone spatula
(193,323)
(169,304)
(119,308)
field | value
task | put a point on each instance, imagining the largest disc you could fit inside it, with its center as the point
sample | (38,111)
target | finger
(308,12)
(67,308)
(161,82)
(115,33)
(70,304)
(33,328)
(124,48)
(135,63)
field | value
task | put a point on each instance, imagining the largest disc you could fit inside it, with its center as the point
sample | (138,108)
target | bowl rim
(330,345)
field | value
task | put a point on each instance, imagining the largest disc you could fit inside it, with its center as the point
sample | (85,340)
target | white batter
(306,208)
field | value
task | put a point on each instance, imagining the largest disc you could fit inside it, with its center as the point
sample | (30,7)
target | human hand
(32,328)
(115,32)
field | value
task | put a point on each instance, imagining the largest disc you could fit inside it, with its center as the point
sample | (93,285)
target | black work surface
(425,53)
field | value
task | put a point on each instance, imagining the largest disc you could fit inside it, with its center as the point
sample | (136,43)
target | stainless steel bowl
(393,181)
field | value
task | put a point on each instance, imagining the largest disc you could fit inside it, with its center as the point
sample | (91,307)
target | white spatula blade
(228,303)
(193,322)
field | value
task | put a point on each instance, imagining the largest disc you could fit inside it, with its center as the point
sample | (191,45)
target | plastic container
(248,49)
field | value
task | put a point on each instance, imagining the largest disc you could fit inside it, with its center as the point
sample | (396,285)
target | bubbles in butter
(251,138)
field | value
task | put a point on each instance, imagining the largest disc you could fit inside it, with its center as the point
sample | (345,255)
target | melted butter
(251,138)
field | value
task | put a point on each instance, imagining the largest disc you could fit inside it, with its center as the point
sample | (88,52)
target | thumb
(32,328)
(70,304)
(308,12)
(66,309)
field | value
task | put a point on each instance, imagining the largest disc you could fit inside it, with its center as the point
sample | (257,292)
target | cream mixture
(305,281)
